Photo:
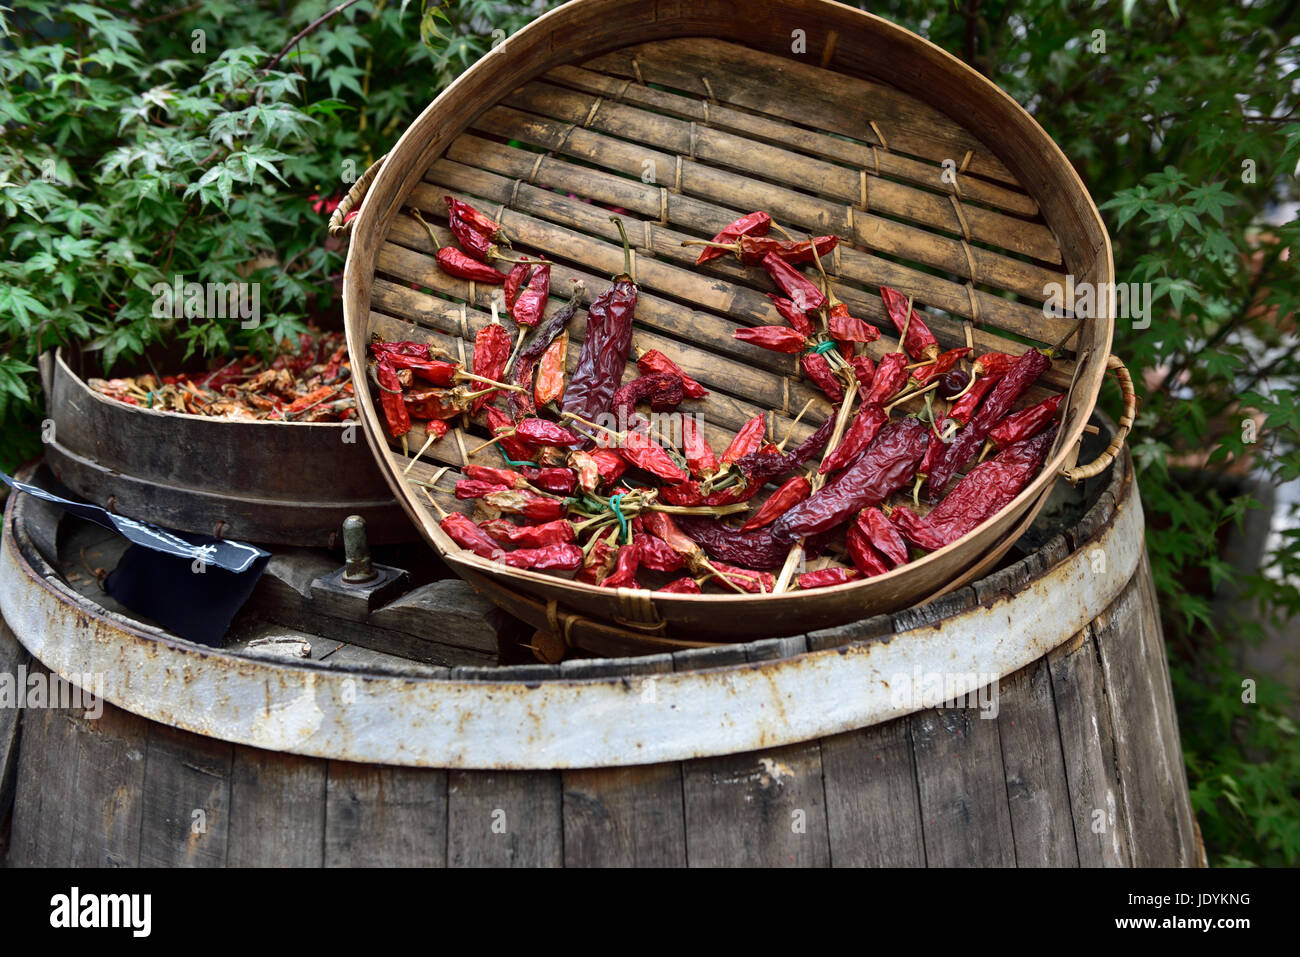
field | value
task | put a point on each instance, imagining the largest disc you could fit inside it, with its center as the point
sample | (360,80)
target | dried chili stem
(463,375)
(902,336)
(790,431)
(442,512)
(912,395)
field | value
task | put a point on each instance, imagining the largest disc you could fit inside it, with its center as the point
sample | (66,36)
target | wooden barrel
(785,751)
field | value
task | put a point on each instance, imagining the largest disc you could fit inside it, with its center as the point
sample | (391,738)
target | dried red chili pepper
(757,583)
(406,347)
(474,488)
(530,304)
(559,480)
(865,558)
(431,405)
(967,442)
(751,250)
(983,492)
(521,403)
(751,224)
(993,364)
(641,450)
(390,396)
(529,536)
(699,456)
(430,370)
(504,477)
(888,465)
(944,362)
(625,568)
(534,507)
(600,367)
(516,280)
(472,229)
(550,371)
(864,370)
(919,342)
(773,338)
(1021,425)
(456,263)
(662,526)
(656,554)
(846,328)
(747,440)
(609,464)
(585,469)
(691,494)
(759,469)
(825,577)
(545,432)
(794,491)
(491,353)
(868,422)
(598,563)
(514,446)
(686,585)
(562,557)
(818,370)
(654,361)
(883,536)
(753,549)
(662,391)
(890,377)
(798,288)
(792,314)
(468,535)
(962,410)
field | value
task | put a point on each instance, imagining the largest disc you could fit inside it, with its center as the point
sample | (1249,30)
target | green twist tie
(510,461)
(824,347)
(622,519)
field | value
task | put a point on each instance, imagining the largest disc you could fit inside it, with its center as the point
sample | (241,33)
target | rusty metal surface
(289,483)
(313,710)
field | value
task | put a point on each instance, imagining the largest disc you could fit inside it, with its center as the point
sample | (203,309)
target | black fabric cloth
(192,585)
(193,600)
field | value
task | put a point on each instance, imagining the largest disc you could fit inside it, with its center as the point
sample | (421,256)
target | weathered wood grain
(1101,829)
(872,809)
(1035,770)
(12,657)
(110,758)
(762,809)
(46,796)
(963,795)
(186,799)
(624,817)
(379,816)
(512,819)
(277,810)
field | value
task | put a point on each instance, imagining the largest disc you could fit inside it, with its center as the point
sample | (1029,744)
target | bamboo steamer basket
(687,115)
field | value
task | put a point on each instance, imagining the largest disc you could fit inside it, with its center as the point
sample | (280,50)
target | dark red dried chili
(883,536)
(846,328)
(825,577)
(600,367)
(773,338)
(865,558)
(491,353)
(529,536)
(521,403)
(456,263)
(967,442)
(641,450)
(656,554)
(686,585)
(790,494)
(514,446)
(747,440)
(654,361)
(792,314)
(751,224)
(983,492)
(942,363)
(474,488)
(818,370)
(798,288)
(545,432)
(889,378)
(753,549)
(864,370)
(562,481)
(919,342)
(530,303)
(390,396)
(468,535)
(561,557)
(867,424)
(626,566)
(1021,425)
(888,465)
(700,460)
(534,507)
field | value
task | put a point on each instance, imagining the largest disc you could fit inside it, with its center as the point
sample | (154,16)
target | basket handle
(1098,465)
(339,225)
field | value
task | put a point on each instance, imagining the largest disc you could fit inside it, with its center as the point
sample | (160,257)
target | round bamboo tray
(686,116)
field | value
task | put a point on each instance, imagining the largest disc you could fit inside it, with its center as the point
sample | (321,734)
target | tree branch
(309,28)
